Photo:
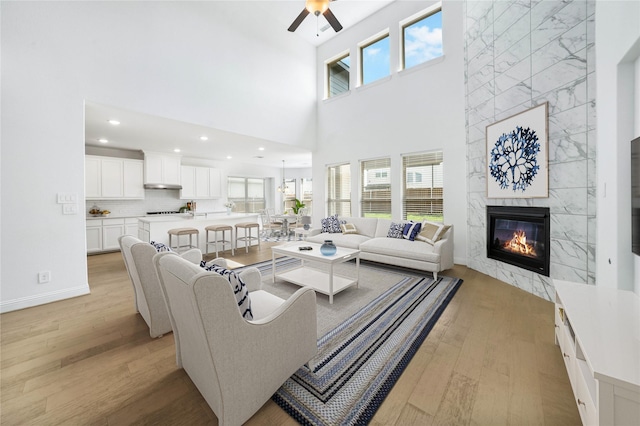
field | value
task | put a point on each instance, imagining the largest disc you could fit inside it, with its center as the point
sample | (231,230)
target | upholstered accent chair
(237,365)
(149,302)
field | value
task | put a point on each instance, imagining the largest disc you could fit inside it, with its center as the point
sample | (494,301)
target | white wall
(617,51)
(182,60)
(416,110)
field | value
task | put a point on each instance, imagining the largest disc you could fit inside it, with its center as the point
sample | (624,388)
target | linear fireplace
(519,236)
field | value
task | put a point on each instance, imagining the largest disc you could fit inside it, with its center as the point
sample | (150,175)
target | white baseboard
(41,299)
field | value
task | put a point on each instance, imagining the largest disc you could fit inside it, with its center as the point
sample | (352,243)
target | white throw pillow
(239,289)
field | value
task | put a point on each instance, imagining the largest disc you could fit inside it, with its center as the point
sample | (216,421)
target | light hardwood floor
(490,360)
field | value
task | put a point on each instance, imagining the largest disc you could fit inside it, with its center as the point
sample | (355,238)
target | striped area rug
(360,360)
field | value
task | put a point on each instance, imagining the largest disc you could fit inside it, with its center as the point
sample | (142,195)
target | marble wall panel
(512,35)
(569,227)
(516,95)
(568,122)
(515,75)
(564,47)
(554,23)
(564,98)
(563,73)
(568,201)
(541,51)
(569,253)
(511,57)
(568,148)
(571,174)
(505,19)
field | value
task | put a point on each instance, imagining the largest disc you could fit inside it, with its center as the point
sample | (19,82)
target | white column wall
(190,61)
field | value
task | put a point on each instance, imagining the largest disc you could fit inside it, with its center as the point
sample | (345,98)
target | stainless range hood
(161,186)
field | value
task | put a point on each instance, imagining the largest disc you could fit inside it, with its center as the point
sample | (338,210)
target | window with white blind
(306,194)
(289,193)
(422,187)
(339,190)
(375,188)
(246,193)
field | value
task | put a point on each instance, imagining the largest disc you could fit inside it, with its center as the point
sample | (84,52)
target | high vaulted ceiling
(145,132)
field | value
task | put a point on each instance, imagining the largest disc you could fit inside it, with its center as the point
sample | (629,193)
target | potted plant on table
(297,206)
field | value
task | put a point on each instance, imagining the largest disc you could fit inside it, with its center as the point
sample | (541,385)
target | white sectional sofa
(372,241)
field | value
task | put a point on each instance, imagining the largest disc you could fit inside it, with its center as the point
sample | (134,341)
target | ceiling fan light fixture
(317,6)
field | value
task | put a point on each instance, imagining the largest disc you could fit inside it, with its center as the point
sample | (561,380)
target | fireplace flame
(518,244)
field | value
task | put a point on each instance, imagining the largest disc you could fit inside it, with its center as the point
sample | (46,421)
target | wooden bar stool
(178,232)
(219,228)
(248,238)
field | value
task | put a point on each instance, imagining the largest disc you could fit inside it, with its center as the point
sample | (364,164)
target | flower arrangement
(229,205)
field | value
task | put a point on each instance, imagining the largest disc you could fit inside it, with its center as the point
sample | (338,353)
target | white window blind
(339,190)
(246,193)
(422,186)
(375,188)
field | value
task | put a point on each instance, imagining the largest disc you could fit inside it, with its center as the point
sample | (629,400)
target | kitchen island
(155,228)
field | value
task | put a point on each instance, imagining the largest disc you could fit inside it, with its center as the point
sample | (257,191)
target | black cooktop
(164,212)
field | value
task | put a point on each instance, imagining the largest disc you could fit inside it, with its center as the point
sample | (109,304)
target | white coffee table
(323,282)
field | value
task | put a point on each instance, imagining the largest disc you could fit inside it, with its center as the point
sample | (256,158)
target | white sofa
(372,241)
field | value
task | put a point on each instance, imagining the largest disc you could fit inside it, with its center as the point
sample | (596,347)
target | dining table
(286,220)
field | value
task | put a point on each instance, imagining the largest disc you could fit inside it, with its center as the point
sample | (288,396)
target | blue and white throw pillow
(239,288)
(395,230)
(160,247)
(331,224)
(411,230)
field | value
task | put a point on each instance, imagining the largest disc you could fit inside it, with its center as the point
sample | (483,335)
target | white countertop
(199,218)
(607,324)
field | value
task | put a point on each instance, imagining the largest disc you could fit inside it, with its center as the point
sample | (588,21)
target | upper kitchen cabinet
(110,178)
(161,169)
(200,183)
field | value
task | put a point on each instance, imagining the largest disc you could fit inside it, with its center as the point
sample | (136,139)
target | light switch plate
(67,198)
(69,209)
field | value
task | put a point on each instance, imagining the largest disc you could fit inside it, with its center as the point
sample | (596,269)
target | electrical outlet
(44,277)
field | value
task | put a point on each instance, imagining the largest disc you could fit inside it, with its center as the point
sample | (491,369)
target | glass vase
(328,248)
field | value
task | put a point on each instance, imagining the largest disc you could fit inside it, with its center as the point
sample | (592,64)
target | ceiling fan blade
(298,20)
(331,18)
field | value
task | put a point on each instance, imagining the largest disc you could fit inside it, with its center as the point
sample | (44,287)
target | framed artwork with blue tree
(517,165)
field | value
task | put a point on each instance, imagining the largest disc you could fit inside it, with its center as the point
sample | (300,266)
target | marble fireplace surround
(517,55)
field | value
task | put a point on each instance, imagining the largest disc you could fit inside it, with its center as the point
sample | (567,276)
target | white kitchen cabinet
(110,178)
(112,229)
(133,179)
(161,169)
(131,226)
(188,174)
(215,183)
(92,177)
(200,183)
(596,329)
(103,234)
(94,236)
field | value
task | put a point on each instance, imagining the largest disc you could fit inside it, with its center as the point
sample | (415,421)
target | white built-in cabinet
(103,234)
(597,331)
(200,183)
(161,169)
(110,178)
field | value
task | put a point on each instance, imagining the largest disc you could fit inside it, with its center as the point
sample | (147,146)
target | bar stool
(219,228)
(184,231)
(248,238)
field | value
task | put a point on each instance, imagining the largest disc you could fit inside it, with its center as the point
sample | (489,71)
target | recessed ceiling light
(176,150)
(229,157)
(204,138)
(103,140)
(114,122)
(261,148)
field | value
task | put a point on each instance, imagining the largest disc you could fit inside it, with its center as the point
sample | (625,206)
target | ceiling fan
(317,7)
